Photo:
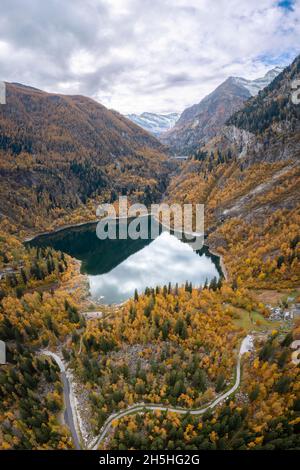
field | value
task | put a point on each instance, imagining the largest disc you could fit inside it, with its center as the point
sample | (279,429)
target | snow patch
(254,86)
(154,123)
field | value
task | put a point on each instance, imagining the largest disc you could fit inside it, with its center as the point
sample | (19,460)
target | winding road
(70,413)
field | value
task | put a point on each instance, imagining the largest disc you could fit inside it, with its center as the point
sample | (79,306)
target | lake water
(115,268)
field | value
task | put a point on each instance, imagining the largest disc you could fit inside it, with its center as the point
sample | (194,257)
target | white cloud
(5,50)
(83,62)
(142,55)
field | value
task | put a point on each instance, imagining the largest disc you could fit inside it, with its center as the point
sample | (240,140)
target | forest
(265,414)
(175,345)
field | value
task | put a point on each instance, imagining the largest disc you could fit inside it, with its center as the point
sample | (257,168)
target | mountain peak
(200,122)
(254,86)
(153,122)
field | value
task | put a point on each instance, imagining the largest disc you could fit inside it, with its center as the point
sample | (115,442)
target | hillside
(263,415)
(202,121)
(249,183)
(57,152)
(174,347)
(272,105)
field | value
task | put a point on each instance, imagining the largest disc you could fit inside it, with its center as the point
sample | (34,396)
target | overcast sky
(144,55)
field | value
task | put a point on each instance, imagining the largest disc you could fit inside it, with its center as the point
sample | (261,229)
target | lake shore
(222,263)
(94,221)
(58,229)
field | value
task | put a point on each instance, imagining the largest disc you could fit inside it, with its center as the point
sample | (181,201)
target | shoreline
(222,263)
(56,230)
(94,221)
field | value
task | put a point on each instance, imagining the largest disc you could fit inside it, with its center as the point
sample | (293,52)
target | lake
(115,268)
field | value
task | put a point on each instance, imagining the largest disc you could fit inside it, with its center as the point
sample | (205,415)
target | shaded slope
(58,151)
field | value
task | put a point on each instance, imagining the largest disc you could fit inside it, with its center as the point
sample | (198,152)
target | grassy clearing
(254,321)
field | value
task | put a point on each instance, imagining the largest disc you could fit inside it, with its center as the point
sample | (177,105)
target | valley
(148,337)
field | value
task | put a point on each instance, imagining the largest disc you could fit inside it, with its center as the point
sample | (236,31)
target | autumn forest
(167,368)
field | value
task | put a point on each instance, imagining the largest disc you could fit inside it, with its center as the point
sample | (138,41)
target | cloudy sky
(144,55)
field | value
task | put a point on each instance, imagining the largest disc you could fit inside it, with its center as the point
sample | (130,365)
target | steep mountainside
(57,152)
(272,105)
(202,121)
(154,123)
(267,128)
(248,177)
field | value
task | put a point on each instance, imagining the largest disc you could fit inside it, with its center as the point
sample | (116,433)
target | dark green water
(117,267)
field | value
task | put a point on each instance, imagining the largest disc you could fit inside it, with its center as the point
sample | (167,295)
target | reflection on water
(116,268)
(165,260)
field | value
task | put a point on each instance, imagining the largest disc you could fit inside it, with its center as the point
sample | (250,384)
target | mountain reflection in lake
(115,268)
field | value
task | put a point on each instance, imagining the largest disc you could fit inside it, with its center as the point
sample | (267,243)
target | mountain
(57,152)
(272,108)
(248,177)
(200,122)
(154,123)
(234,337)
(254,86)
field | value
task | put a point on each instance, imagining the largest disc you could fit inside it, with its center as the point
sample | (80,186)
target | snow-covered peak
(254,86)
(154,123)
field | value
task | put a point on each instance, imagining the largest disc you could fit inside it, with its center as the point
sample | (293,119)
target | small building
(296,310)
